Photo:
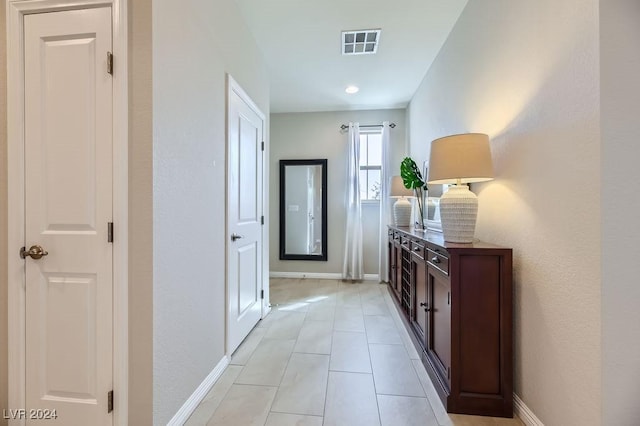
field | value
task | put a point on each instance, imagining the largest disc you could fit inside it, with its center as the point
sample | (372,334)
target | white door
(245,210)
(68,205)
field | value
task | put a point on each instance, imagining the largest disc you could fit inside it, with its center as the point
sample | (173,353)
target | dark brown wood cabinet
(457,299)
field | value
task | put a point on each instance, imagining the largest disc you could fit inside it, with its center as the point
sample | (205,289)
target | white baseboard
(198,395)
(525,414)
(317,275)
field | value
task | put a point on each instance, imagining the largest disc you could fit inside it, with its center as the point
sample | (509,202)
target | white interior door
(68,205)
(245,210)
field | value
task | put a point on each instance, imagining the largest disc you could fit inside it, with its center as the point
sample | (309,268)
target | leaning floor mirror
(303,209)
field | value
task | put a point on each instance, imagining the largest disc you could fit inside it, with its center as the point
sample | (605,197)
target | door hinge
(262,220)
(110,63)
(262,145)
(448,298)
(110,401)
(448,372)
(261,294)
(110,232)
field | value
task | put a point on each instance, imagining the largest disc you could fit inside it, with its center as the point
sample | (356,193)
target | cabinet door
(397,250)
(405,287)
(439,332)
(392,263)
(419,308)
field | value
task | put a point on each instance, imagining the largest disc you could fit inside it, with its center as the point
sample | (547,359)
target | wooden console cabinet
(457,299)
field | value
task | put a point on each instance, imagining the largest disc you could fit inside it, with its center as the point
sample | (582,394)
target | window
(370,165)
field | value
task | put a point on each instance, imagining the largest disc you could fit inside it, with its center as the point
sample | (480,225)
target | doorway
(245,214)
(66,286)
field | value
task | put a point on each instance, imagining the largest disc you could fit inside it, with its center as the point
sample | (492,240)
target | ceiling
(301,44)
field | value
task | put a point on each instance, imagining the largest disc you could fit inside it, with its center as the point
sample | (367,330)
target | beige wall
(195,43)
(317,135)
(527,73)
(620,93)
(140,215)
(3,218)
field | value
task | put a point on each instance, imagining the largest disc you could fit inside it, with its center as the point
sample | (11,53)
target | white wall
(194,44)
(317,135)
(620,94)
(527,73)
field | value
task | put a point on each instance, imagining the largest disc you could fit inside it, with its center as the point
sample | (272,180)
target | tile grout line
(223,396)
(373,377)
(326,386)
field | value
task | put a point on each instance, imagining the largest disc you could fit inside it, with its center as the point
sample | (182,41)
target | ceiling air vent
(362,42)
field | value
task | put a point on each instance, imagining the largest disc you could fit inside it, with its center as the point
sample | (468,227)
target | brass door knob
(35,252)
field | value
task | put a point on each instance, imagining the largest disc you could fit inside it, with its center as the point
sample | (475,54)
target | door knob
(235,237)
(425,306)
(35,252)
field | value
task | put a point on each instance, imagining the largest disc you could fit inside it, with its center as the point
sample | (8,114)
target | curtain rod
(345,126)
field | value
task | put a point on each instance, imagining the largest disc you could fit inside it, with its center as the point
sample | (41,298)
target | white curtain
(385,205)
(352,268)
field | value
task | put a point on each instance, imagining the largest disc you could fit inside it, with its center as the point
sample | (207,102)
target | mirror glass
(432,202)
(303,209)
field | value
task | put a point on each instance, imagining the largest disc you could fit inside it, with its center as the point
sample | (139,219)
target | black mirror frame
(283,254)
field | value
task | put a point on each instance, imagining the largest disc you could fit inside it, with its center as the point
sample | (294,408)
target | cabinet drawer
(396,237)
(417,249)
(438,260)
(405,242)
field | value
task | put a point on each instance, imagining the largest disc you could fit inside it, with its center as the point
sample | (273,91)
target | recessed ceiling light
(352,89)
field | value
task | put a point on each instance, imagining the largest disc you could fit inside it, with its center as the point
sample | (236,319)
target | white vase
(458,213)
(402,212)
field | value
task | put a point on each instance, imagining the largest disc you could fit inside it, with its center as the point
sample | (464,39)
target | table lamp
(402,207)
(458,160)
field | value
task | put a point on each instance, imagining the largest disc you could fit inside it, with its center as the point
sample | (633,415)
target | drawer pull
(435,259)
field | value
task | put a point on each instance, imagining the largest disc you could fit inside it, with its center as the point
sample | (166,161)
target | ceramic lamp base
(458,213)
(402,212)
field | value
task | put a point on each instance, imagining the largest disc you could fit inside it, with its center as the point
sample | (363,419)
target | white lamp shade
(464,158)
(398,189)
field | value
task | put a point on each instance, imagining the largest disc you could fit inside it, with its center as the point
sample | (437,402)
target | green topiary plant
(412,179)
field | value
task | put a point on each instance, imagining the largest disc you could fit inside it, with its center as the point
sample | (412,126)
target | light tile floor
(329,353)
